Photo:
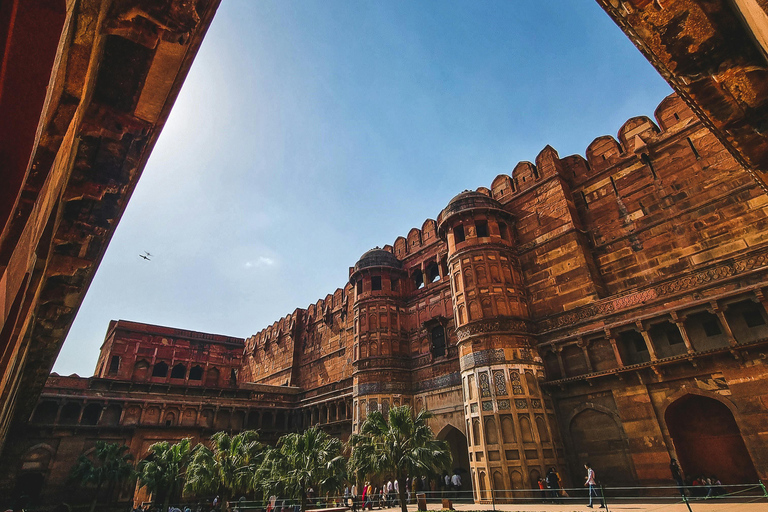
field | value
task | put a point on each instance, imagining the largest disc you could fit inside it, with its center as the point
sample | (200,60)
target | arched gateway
(708,441)
(457,442)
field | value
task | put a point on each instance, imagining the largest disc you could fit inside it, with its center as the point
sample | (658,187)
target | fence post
(602,492)
(762,486)
(687,504)
(493,500)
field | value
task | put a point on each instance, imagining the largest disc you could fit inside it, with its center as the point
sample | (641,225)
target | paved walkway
(760,505)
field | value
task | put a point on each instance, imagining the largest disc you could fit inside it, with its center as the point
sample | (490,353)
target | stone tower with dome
(381,353)
(504,405)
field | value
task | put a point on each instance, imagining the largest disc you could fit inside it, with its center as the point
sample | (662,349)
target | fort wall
(580,308)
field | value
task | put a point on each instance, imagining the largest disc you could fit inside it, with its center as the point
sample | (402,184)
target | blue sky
(308,132)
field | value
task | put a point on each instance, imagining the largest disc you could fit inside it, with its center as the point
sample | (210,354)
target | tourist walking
(553,484)
(591,482)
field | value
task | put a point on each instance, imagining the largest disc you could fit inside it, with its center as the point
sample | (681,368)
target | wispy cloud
(263,261)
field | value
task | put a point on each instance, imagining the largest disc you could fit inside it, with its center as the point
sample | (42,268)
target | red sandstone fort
(609,308)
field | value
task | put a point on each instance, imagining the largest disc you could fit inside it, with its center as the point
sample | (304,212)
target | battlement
(300,320)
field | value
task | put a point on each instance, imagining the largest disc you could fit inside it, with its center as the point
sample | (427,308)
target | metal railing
(669,496)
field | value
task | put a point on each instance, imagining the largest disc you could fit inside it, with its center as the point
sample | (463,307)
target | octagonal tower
(510,428)
(380,377)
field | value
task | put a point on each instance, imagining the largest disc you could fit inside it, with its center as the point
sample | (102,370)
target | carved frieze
(374,388)
(441,382)
(495,325)
(482,358)
(686,282)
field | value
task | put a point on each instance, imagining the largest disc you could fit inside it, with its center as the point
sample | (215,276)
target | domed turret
(377,258)
(470,199)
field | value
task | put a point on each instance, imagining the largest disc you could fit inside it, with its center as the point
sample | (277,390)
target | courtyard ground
(753,505)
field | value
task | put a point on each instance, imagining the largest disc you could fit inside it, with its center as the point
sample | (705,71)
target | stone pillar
(717,310)
(58,413)
(583,344)
(80,416)
(504,404)
(615,347)
(680,323)
(559,354)
(648,341)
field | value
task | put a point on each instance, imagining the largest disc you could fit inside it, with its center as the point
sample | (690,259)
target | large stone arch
(457,442)
(595,435)
(708,440)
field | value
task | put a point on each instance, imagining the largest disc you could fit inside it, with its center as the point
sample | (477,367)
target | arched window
(179,371)
(91,414)
(418,279)
(503,231)
(111,415)
(70,413)
(433,272)
(438,341)
(196,373)
(212,377)
(140,370)
(458,234)
(114,365)
(481,228)
(160,369)
(46,412)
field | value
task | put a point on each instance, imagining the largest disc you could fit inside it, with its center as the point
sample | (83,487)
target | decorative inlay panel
(500,382)
(485,384)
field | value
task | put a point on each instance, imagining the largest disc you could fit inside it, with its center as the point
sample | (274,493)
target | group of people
(387,495)
(701,486)
(550,486)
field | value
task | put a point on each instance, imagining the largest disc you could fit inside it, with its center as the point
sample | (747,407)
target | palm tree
(110,464)
(402,446)
(228,467)
(163,471)
(300,461)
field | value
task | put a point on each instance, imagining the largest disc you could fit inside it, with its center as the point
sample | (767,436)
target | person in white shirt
(456,484)
(592,484)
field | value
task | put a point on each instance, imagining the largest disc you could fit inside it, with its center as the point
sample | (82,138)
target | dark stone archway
(597,438)
(457,442)
(708,441)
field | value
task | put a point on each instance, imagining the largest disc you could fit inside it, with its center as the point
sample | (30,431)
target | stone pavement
(761,505)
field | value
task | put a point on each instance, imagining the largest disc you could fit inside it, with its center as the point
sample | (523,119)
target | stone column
(560,362)
(583,344)
(58,413)
(717,310)
(615,347)
(648,341)
(680,323)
